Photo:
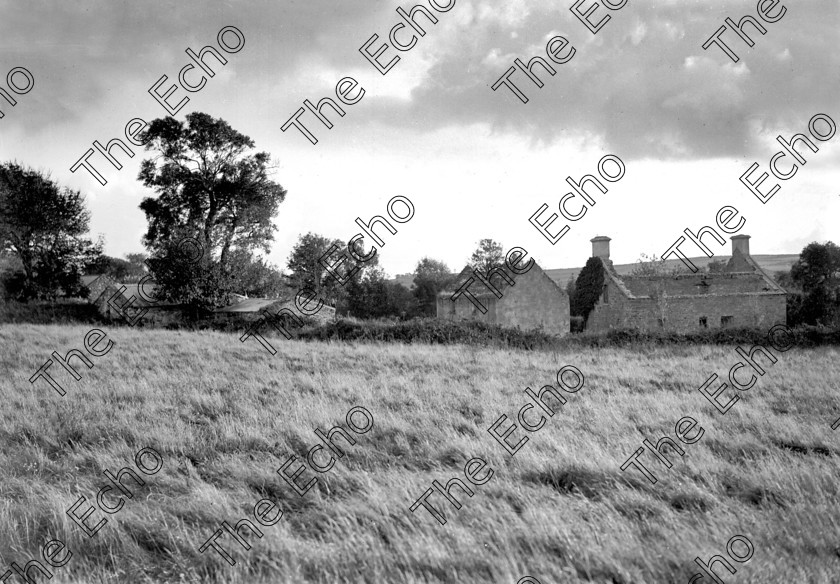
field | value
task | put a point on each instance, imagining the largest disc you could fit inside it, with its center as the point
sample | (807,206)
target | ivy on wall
(588,288)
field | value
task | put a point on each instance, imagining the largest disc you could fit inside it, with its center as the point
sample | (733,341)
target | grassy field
(225,416)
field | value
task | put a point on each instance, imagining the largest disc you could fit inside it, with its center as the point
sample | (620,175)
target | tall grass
(226,415)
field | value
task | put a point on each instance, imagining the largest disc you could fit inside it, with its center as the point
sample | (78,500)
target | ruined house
(102,288)
(245,309)
(533,301)
(113,301)
(742,295)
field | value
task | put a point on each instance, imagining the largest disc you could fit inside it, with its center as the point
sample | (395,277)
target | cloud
(643,86)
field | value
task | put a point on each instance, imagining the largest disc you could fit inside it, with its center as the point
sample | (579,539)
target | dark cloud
(643,86)
(82,51)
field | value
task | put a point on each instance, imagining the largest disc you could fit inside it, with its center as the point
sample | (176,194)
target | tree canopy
(431,276)
(489,254)
(131,269)
(43,225)
(817,274)
(307,272)
(372,296)
(207,184)
(211,188)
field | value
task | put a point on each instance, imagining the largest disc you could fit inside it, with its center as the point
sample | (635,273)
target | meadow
(225,416)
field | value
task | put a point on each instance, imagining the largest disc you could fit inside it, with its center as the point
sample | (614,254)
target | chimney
(601,247)
(741,243)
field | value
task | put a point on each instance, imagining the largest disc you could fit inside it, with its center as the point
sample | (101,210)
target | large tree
(817,274)
(43,225)
(430,277)
(489,254)
(209,187)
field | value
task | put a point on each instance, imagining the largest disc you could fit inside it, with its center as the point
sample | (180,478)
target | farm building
(534,301)
(103,288)
(742,295)
(252,309)
(108,296)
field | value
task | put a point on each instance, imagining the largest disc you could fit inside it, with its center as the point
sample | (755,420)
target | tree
(253,276)
(43,224)
(489,254)
(818,266)
(655,266)
(131,269)
(401,301)
(209,188)
(817,274)
(183,274)
(430,277)
(367,297)
(588,287)
(307,272)
(785,280)
(136,266)
(372,296)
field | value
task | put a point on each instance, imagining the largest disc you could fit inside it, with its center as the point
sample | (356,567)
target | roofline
(488,294)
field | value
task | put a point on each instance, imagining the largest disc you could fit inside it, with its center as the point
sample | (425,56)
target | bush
(40,312)
(433,331)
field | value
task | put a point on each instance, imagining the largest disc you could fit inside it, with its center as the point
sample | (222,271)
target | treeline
(211,188)
(813,286)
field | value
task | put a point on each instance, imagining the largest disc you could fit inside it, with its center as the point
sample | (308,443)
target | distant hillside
(770,263)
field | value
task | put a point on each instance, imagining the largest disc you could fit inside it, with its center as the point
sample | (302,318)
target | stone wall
(534,301)
(683,313)
(463,309)
(614,313)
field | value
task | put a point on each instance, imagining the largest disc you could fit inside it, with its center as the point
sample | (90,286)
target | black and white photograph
(425,292)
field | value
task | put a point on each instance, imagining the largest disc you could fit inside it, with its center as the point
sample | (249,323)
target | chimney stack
(601,247)
(741,243)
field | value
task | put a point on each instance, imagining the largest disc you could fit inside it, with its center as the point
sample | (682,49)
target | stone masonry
(743,295)
(533,302)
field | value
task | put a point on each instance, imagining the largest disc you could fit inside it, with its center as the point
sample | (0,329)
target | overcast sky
(687,122)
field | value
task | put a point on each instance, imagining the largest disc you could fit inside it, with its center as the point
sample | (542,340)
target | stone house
(742,295)
(534,301)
